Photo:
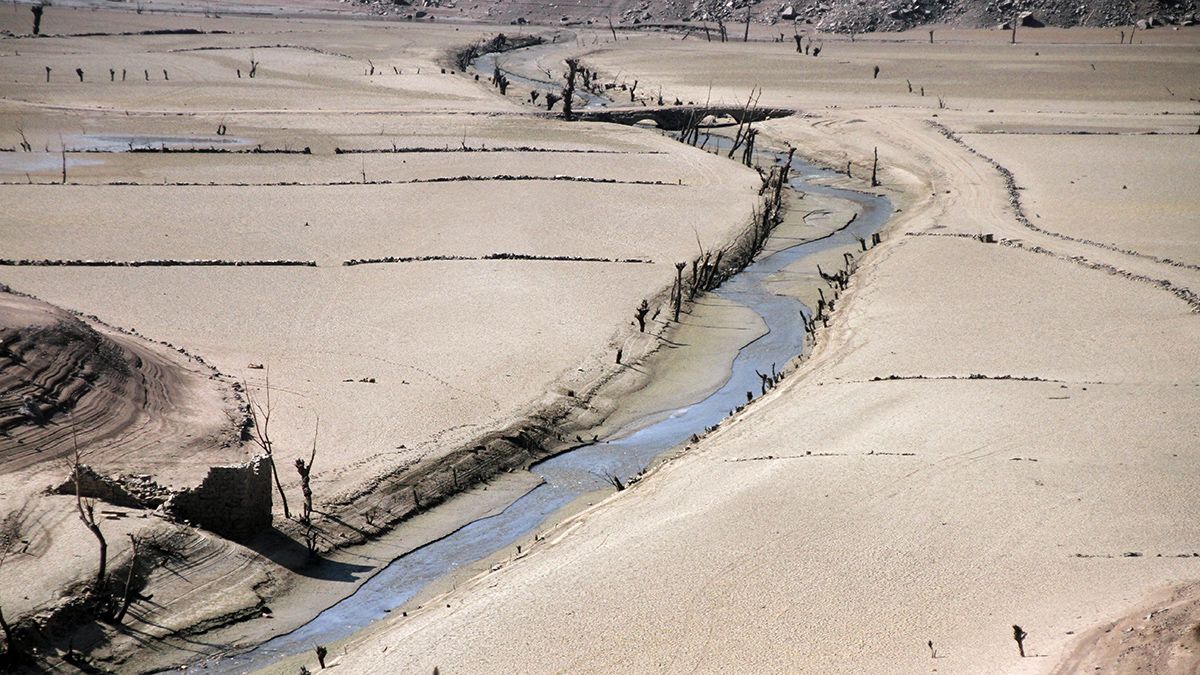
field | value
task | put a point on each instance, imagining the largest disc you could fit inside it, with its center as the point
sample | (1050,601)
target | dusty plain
(986,434)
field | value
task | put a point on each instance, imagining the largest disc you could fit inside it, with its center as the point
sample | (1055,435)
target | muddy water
(625,453)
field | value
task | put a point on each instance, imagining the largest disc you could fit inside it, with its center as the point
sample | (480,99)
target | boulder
(1028,20)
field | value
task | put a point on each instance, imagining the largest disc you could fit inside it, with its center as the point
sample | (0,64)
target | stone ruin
(134,491)
(232,501)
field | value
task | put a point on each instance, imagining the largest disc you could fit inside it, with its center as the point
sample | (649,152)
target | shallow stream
(625,453)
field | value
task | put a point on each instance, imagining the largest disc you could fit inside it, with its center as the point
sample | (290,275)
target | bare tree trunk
(261,417)
(614,30)
(678,287)
(127,598)
(37,18)
(87,515)
(569,91)
(875,169)
(305,471)
(642,310)
(746,35)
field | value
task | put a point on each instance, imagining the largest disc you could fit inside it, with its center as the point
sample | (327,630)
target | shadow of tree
(293,556)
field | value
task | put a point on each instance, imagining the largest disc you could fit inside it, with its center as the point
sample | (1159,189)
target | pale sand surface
(1019,500)
(1127,182)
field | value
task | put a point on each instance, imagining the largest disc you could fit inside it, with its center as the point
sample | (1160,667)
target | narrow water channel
(626,453)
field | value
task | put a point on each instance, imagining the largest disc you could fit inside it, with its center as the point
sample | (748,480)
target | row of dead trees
(707,271)
(112,74)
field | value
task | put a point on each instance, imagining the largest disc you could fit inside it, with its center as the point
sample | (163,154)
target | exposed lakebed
(624,453)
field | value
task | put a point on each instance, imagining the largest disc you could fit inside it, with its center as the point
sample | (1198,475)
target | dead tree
(707,35)
(742,134)
(165,76)
(25,145)
(321,653)
(746,35)
(632,88)
(260,418)
(37,18)
(765,379)
(930,37)
(503,84)
(79,72)
(112,75)
(876,76)
(569,90)
(253,66)
(614,30)
(87,515)
(724,31)
(551,99)
(305,471)
(47,74)
(1014,30)
(799,40)
(642,310)
(875,169)
(1020,635)
(678,287)
(128,596)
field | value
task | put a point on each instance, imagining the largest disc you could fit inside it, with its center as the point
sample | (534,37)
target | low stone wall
(232,501)
(93,485)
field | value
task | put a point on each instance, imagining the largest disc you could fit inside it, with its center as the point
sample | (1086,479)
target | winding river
(627,452)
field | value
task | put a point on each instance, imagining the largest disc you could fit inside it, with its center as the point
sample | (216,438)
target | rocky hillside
(844,16)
